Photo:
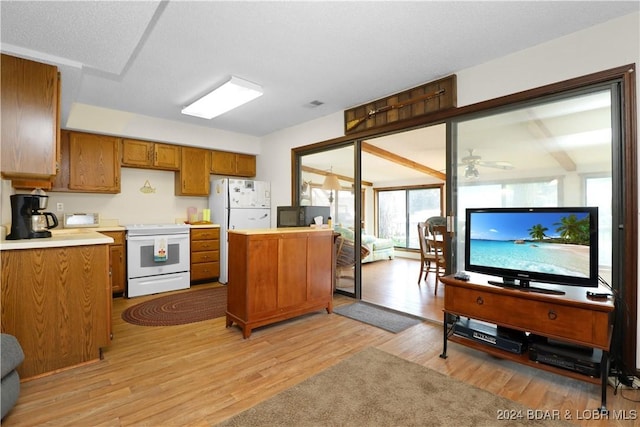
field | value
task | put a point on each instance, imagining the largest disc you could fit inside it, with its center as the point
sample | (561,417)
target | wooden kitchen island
(276,274)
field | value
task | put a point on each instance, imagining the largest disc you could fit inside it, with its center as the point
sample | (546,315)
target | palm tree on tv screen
(537,232)
(573,230)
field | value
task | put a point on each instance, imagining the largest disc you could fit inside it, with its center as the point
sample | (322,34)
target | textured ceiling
(153,57)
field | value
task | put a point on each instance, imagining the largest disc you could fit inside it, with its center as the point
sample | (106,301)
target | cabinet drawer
(545,318)
(204,245)
(205,270)
(205,234)
(205,256)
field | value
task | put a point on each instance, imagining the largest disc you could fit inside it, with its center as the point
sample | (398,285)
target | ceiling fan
(471,162)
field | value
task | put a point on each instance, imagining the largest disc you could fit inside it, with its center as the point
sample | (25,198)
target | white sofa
(379,249)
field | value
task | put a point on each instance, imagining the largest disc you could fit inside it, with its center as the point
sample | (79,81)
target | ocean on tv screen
(536,256)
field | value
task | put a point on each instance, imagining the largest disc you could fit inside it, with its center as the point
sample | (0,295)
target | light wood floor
(394,284)
(202,373)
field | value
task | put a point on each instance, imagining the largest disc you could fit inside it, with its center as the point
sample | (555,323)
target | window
(551,152)
(598,193)
(400,210)
(541,193)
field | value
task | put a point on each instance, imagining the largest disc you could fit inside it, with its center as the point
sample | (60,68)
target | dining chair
(427,254)
(440,247)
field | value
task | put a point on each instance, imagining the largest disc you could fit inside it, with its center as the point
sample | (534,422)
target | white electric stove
(157,258)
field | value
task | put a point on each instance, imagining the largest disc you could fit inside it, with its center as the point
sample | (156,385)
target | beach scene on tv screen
(543,242)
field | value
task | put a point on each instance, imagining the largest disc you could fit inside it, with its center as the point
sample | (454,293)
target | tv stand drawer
(516,309)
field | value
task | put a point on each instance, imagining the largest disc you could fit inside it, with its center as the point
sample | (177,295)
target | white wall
(102,120)
(274,163)
(609,45)
(131,206)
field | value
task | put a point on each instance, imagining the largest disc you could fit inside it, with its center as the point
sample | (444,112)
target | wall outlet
(60,207)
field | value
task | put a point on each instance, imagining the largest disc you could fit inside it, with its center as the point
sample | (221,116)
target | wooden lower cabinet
(278,274)
(117,261)
(205,254)
(57,303)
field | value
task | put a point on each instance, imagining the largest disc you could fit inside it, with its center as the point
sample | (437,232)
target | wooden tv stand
(571,318)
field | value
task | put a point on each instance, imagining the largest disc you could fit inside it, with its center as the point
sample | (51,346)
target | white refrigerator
(238,204)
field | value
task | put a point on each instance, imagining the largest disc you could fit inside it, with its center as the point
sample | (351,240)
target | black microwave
(301,216)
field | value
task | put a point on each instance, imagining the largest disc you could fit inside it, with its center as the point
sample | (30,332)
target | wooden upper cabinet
(136,153)
(166,156)
(245,165)
(153,155)
(193,177)
(61,181)
(30,118)
(235,164)
(94,163)
(223,163)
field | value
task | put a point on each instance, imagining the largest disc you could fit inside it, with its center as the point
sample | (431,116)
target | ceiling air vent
(314,104)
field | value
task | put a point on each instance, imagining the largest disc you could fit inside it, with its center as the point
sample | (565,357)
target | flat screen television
(523,245)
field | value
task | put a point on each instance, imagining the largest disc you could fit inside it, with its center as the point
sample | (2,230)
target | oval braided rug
(180,308)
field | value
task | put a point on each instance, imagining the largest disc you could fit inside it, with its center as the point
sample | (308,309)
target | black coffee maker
(27,220)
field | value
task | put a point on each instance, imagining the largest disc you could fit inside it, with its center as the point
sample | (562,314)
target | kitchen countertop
(64,237)
(83,229)
(74,237)
(57,240)
(204,225)
(281,230)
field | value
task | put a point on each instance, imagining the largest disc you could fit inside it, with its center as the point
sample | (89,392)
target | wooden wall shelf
(419,101)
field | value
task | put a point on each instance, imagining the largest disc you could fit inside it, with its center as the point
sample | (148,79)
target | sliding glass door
(327,178)
(557,151)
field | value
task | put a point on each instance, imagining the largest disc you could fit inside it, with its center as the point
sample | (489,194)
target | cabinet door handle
(479,301)
(552,315)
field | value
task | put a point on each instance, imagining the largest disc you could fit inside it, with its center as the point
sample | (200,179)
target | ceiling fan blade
(496,164)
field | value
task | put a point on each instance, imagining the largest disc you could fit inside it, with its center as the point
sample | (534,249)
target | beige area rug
(374,388)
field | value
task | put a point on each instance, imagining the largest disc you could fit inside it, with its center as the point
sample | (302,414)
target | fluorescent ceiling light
(230,95)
